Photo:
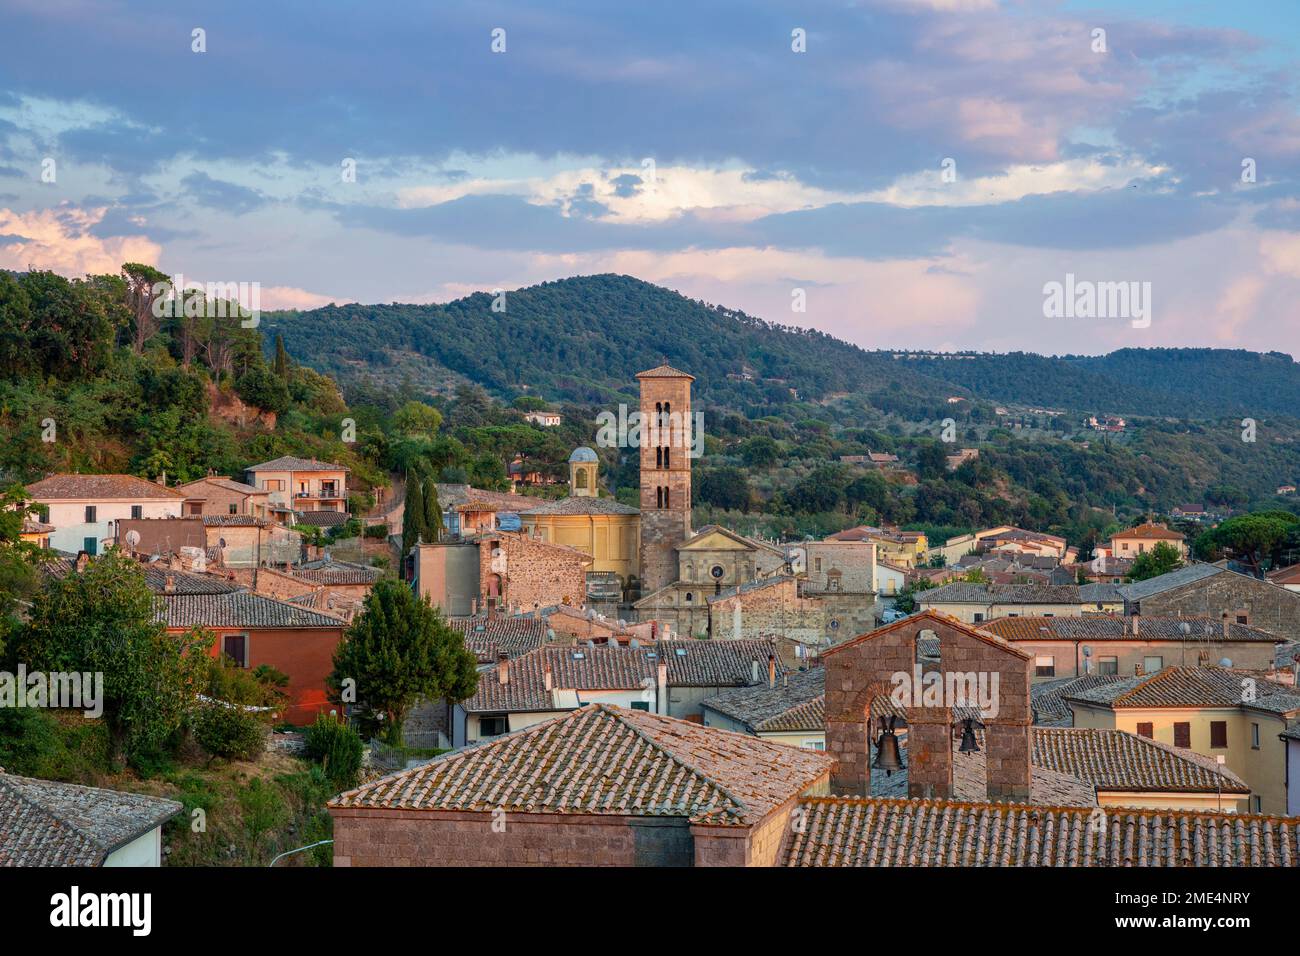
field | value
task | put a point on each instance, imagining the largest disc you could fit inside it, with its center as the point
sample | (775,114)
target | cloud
(62,240)
(218,194)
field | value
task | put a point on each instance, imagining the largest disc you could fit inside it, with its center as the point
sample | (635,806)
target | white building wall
(71,528)
(145,850)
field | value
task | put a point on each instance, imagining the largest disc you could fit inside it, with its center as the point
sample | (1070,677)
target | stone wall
(364,837)
(663,529)
(530,573)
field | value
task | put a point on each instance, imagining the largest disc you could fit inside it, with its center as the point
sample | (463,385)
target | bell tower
(665,472)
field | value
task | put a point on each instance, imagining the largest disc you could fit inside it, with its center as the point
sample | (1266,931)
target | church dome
(583,453)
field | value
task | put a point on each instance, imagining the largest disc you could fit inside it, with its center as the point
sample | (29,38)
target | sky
(898,173)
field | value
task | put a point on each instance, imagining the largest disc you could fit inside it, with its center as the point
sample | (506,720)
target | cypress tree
(281,357)
(413,515)
(432,510)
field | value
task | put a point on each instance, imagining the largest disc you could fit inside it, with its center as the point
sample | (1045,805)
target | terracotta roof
(1102,627)
(575,505)
(664,371)
(186,582)
(1288,575)
(486,637)
(1194,687)
(32,526)
(607,760)
(99,488)
(691,663)
(1114,760)
(234,521)
(938,618)
(1150,531)
(241,609)
(858,832)
(44,823)
(452,496)
(290,463)
(794,704)
(1047,698)
(321,519)
(337,572)
(229,484)
(1168,581)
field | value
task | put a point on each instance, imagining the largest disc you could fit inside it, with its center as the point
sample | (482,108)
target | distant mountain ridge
(584,338)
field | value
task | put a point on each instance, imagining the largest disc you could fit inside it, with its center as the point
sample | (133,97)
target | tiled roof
(1194,687)
(856,832)
(580,506)
(229,484)
(1286,655)
(1292,731)
(664,371)
(796,703)
(691,663)
(749,586)
(99,487)
(186,582)
(337,572)
(970,781)
(242,609)
(964,592)
(1103,627)
(321,519)
(1047,698)
(451,496)
(606,760)
(486,638)
(1114,760)
(1172,579)
(290,463)
(1100,594)
(43,823)
(1155,532)
(32,526)
(1288,575)
(234,521)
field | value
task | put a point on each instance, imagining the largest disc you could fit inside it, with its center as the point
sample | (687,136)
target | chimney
(1134,621)
(169,584)
(771,670)
(1224,621)
(753,672)
(661,688)
(546,677)
(503,669)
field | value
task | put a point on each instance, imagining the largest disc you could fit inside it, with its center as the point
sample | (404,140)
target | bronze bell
(968,744)
(888,756)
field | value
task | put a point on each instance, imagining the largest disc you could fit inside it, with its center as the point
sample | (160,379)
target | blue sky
(686,144)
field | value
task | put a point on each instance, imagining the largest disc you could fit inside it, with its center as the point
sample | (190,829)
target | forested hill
(584,338)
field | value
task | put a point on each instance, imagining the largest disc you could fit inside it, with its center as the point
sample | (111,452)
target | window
(1258,803)
(234,508)
(979,615)
(641,705)
(91,511)
(1146,730)
(1152,664)
(667,464)
(659,497)
(273,484)
(90,546)
(1243,618)
(1182,734)
(1254,736)
(1044,666)
(1108,665)
(491,726)
(1219,734)
(659,457)
(813,745)
(667,504)
(137,511)
(235,646)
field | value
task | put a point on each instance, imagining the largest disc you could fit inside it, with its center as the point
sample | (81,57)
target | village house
(1143,538)
(669,677)
(1208,590)
(1006,539)
(215,495)
(544,419)
(223,540)
(83,510)
(1288,577)
(36,532)
(1214,711)
(300,485)
(904,548)
(792,712)
(976,603)
(46,823)
(1132,646)
(622,787)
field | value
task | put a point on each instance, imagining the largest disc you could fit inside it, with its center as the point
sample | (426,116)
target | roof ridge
(1226,816)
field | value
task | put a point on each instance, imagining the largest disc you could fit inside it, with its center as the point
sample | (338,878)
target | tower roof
(583,453)
(665,371)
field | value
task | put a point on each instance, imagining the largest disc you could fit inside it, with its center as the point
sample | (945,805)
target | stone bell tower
(665,472)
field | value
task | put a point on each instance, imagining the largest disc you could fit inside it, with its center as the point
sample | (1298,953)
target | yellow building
(603,528)
(1212,711)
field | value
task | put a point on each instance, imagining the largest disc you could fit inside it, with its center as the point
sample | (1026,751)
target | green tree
(397,651)
(726,487)
(1161,559)
(281,357)
(103,621)
(433,525)
(760,452)
(413,512)
(1252,539)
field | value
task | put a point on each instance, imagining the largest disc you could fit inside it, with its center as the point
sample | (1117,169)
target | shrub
(337,748)
(229,731)
(377,531)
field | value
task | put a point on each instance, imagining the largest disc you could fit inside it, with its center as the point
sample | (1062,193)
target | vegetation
(1161,559)
(337,748)
(397,651)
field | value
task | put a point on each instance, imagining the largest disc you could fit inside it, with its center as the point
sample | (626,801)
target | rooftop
(876,832)
(290,463)
(602,759)
(99,487)
(1150,531)
(321,519)
(240,609)
(1170,580)
(580,505)
(44,823)
(1103,627)
(1193,687)
(1047,698)
(964,592)
(486,637)
(796,703)
(664,371)
(337,572)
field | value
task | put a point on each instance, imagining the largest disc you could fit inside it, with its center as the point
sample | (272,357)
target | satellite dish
(1087,651)
(132,538)
(1225,662)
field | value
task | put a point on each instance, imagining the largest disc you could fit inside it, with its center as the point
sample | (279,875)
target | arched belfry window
(659,497)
